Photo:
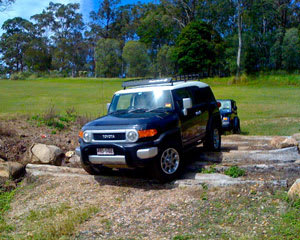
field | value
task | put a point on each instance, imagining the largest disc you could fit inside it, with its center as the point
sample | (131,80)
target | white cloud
(27,8)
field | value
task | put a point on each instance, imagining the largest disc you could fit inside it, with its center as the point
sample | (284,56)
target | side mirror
(187,104)
(219,104)
(235,108)
(107,106)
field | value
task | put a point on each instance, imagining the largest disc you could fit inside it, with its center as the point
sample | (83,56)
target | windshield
(225,104)
(142,101)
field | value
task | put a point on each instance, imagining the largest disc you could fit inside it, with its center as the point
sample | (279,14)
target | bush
(20,75)
(53,119)
(235,172)
(82,73)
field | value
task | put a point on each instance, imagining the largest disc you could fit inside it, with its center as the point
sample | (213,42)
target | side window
(202,95)
(206,95)
(180,94)
(210,95)
(197,95)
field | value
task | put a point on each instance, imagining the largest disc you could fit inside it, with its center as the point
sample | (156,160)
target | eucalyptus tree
(108,58)
(5,3)
(18,33)
(136,59)
(64,25)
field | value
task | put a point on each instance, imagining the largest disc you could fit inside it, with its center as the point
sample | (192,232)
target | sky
(27,8)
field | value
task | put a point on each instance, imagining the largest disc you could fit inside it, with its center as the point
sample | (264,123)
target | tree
(15,40)
(37,56)
(65,25)
(5,3)
(291,50)
(195,49)
(136,58)
(182,11)
(108,58)
(103,19)
(165,63)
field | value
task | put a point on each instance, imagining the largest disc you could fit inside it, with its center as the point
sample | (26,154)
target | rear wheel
(213,139)
(167,165)
(236,126)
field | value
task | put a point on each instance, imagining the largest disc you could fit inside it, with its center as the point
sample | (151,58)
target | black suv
(229,115)
(151,123)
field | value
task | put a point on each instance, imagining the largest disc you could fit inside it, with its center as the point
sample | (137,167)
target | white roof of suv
(176,85)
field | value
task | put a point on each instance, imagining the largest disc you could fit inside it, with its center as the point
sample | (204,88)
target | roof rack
(178,78)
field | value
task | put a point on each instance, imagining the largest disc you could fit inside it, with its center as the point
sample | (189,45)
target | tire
(167,166)
(236,126)
(212,140)
(95,169)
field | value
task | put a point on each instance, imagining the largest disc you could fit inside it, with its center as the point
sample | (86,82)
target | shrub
(20,75)
(235,172)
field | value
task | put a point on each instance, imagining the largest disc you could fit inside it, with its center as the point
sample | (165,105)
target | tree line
(215,37)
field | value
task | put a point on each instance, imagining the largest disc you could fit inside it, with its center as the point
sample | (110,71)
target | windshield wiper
(160,109)
(138,110)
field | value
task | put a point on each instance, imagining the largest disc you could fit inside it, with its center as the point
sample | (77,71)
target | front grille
(109,136)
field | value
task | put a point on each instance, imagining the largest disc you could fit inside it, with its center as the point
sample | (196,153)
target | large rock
(296,136)
(44,154)
(294,191)
(12,170)
(283,142)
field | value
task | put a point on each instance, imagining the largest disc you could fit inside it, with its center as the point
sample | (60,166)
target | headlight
(225,118)
(87,137)
(132,136)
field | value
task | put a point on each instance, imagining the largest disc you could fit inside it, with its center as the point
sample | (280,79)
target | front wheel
(95,169)
(213,139)
(167,165)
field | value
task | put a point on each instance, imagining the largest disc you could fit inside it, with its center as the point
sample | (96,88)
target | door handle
(198,112)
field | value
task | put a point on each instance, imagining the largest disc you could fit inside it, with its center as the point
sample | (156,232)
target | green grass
(5,199)
(256,216)
(59,222)
(267,105)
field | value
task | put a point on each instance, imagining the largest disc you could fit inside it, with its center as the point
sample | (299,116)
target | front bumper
(127,155)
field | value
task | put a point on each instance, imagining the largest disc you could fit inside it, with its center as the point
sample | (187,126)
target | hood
(137,120)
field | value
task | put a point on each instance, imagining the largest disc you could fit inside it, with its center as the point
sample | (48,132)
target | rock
(289,142)
(44,154)
(75,161)
(70,154)
(12,170)
(296,136)
(294,191)
(283,142)
(276,141)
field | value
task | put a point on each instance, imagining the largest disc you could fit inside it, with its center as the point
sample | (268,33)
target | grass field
(266,106)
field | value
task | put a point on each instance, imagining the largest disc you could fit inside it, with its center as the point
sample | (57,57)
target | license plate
(105,151)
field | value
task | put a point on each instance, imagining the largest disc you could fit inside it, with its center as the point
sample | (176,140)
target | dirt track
(130,205)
